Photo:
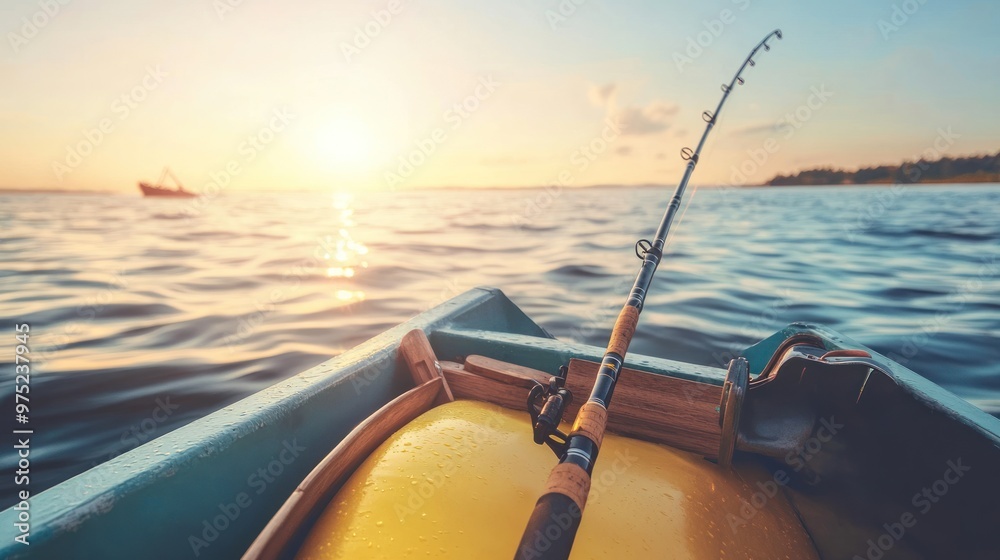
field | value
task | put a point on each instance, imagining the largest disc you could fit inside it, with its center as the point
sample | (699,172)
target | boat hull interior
(243,462)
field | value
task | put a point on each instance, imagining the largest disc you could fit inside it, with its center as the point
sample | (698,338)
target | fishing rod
(554,521)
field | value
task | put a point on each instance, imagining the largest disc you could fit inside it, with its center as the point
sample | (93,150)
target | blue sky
(561,69)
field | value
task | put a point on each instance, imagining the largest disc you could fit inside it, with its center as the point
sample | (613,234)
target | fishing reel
(546,416)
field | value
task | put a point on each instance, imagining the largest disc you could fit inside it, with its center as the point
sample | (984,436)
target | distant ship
(159,190)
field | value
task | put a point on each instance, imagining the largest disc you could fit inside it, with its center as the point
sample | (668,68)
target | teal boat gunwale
(151,501)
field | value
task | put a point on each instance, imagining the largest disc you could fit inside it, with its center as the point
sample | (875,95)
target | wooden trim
(658,408)
(677,412)
(505,373)
(467,385)
(336,467)
(416,352)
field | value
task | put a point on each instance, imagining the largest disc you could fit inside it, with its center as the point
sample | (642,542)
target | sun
(345,143)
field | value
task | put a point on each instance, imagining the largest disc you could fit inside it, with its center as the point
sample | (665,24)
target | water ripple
(137,302)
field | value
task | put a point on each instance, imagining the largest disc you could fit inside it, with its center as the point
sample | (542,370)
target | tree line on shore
(964,169)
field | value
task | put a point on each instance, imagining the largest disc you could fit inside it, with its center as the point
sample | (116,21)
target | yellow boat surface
(461,480)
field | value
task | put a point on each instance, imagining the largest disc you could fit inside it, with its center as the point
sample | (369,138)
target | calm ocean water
(148,314)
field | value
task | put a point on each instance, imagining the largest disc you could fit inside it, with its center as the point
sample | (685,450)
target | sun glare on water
(344,256)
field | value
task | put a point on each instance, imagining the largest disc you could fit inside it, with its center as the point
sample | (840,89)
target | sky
(244,95)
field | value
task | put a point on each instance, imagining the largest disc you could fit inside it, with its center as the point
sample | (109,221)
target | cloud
(645,120)
(623,150)
(603,96)
(635,121)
